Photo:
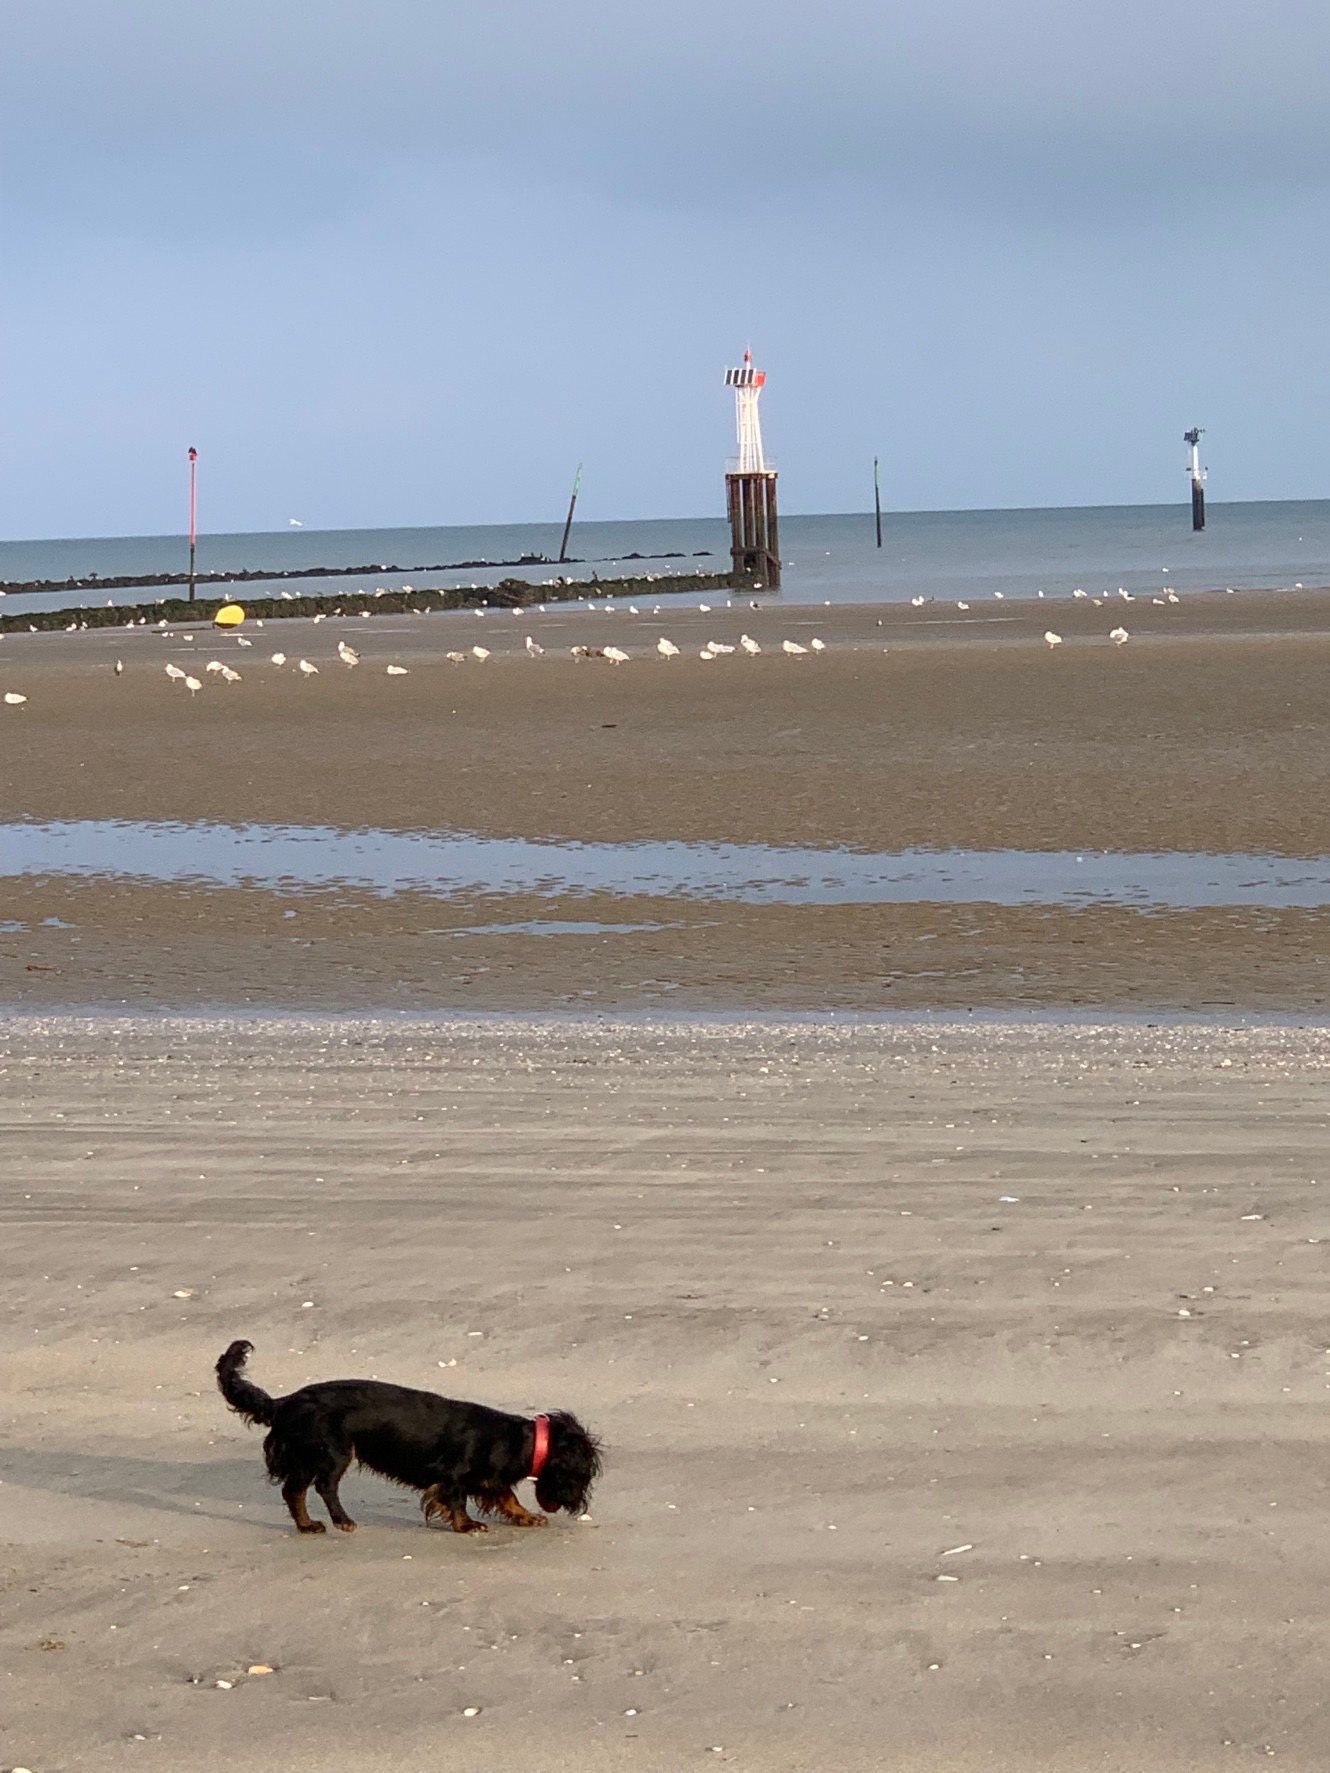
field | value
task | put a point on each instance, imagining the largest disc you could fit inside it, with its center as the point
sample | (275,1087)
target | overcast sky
(410,261)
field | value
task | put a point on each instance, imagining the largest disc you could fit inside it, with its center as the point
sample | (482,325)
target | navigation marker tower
(1197,473)
(750,485)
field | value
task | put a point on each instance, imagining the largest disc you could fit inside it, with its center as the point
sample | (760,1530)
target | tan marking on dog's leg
(294,1497)
(433,1505)
(512,1511)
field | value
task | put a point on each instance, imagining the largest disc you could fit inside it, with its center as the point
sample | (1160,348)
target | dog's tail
(242,1394)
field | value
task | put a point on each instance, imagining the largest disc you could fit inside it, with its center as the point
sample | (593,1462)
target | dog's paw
(312,1527)
(472,1527)
(345,1526)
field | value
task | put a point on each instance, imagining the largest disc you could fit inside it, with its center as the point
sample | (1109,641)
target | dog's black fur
(448,1450)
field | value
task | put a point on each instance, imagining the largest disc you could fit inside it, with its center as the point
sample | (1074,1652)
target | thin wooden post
(572,506)
(877,501)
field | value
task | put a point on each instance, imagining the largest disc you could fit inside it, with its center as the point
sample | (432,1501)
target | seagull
(295,523)
(214,665)
(718,646)
(13,699)
(792,646)
(1125,595)
(290,596)
(322,616)
(962,606)
(818,646)
(705,608)
(633,610)
(457,658)
(193,685)
(241,641)
(1051,638)
(396,671)
(916,603)
(279,658)
(174,671)
(706,657)
(999,595)
(667,648)
(347,654)
(1119,636)
(534,647)
(480,652)
(119,667)
(308,669)
(230,676)
(749,645)
(616,655)
(1079,593)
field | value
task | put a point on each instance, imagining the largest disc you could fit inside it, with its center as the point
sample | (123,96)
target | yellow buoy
(230,615)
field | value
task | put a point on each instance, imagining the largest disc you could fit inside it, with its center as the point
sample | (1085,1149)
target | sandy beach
(1208,731)
(964,1390)
(962,1376)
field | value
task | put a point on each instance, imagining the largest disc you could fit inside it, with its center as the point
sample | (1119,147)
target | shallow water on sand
(287,857)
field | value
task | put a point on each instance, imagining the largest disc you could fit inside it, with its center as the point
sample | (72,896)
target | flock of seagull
(613,655)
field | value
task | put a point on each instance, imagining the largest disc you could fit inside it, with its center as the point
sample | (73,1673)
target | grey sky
(410,261)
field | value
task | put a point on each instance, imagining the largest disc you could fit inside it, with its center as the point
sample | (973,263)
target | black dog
(448,1450)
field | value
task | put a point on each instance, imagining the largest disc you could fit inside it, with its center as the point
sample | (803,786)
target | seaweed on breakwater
(507,594)
(246,575)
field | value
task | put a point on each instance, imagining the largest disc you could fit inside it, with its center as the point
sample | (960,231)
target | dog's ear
(575,1462)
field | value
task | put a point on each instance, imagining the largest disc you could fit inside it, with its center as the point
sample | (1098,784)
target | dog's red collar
(541,1451)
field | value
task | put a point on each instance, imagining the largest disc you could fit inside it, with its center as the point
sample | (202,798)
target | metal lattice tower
(750,486)
(748,384)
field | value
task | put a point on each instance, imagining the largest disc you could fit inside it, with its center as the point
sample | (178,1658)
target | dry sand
(1209,730)
(773,1265)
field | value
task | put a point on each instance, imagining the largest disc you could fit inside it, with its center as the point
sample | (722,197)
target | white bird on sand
(290,596)
(396,671)
(480,652)
(818,646)
(705,608)
(749,645)
(616,655)
(1125,595)
(1051,638)
(321,617)
(718,646)
(633,610)
(1119,636)
(214,665)
(1079,593)
(456,658)
(279,658)
(792,646)
(962,606)
(193,685)
(174,671)
(1170,595)
(347,654)
(667,648)
(307,669)
(534,647)
(706,657)
(241,641)
(13,699)
(999,595)
(916,603)
(119,667)
(1039,594)
(230,676)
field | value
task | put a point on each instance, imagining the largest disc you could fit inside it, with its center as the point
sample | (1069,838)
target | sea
(941,555)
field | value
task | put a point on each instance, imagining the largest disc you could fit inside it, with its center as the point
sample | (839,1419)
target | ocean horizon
(828,558)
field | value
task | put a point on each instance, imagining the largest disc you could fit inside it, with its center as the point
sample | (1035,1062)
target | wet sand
(1209,730)
(773,1265)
